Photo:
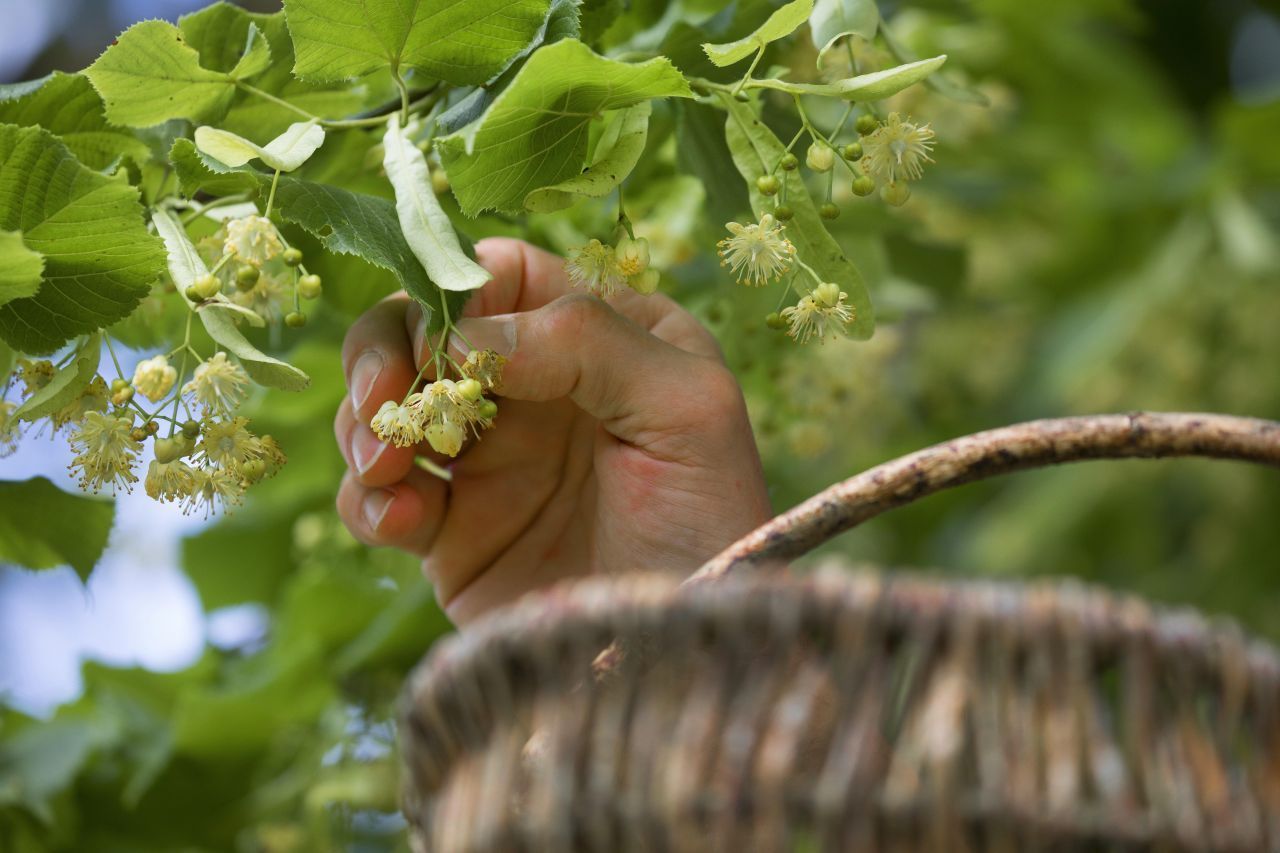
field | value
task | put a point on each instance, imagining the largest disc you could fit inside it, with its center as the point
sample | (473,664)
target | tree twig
(963,460)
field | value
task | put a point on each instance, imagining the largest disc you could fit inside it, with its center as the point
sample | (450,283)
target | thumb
(578,347)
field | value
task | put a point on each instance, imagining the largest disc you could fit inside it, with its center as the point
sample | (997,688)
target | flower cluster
(442,414)
(447,411)
(821,314)
(604,269)
(255,268)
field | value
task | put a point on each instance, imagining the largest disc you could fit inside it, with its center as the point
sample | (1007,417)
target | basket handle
(1033,444)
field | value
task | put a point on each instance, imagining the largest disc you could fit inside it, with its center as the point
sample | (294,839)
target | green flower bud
(207,286)
(152,427)
(774,321)
(253,469)
(865,124)
(783,213)
(827,294)
(487,410)
(167,450)
(247,276)
(292,256)
(309,286)
(645,283)
(768,184)
(789,162)
(191,429)
(864,185)
(295,319)
(829,211)
(470,390)
(852,151)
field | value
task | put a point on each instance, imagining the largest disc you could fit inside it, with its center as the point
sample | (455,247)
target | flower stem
(747,77)
(271,197)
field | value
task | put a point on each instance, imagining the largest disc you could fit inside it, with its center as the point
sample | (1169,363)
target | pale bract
(285,153)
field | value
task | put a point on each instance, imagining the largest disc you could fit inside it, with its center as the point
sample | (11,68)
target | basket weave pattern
(844,713)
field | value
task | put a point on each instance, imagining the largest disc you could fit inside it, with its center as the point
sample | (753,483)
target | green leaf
(198,173)
(457,41)
(220,31)
(67,106)
(264,558)
(99,258)
(150,75)
(701,152)
(42,526)
(535,133)
(835,19)
(41,762)
(286,152)
(425,225)
(256,58)
(780,24)
(356,224)
(185,265)
(66,385)
(20,268)
(617,153)
(755,150)
(865,87)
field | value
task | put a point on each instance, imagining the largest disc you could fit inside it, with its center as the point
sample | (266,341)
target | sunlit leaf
(780,24)
(286,152)
(836,19)
(865,87)
(67,106)
(20,268)
(616,155)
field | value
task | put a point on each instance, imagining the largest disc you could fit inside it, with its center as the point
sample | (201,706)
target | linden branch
(974,457)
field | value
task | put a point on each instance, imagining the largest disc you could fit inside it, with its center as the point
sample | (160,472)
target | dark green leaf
(42,526)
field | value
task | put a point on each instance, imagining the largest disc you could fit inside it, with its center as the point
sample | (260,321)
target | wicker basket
(848,712)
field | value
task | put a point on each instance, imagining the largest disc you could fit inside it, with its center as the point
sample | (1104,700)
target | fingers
(377,356)
(373,462)
(640,388)
(407,514)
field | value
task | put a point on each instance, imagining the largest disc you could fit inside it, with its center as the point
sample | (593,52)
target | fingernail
(366,450)
(497,333)
(375,507)
(364,374)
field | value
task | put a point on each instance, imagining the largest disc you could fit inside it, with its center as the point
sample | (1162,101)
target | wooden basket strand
(852,712)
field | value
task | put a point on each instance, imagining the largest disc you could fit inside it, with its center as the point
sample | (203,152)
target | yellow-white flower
(756,254)
(105,452)
(10,428)
(252,239)
(268,298)
(820,314)
(897,150)
(211,488)
(595,266)
(218,385)
(154,377)
(632,255)
(169,481)
(401,425)
(228,444)
(450,414)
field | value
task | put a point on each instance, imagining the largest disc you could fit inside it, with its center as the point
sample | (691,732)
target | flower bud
(820,157)
(829,211)
(866,124)
(309,286)
(896,193)
(852,151)
(775,321)
(487,410)
(154,378)
(783,213)
(247,276)
(292,256)
(768,184)
(632,255)
(789,162)
(645,283)
(827,294)
(445,438)
(864,185)
(470,390)
(295,319)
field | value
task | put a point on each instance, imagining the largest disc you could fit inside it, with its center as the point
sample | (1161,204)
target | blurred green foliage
(1099,237)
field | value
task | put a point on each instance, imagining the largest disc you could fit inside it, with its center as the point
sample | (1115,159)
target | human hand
(622,440)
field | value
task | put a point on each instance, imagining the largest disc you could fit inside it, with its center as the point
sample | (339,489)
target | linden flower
(756,254)
(897,149)
(229,445)
(632,255)
(169,481)
(10,429)
(252,239)
(154,378)
(35,374)
(92,399)
(820,314)
(211,487)
(403,425)
(485,366)
(450,414)
(218,385)
(105,452)
(595,267)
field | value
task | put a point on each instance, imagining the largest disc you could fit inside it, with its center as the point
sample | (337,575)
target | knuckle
(718,395)
(571,315)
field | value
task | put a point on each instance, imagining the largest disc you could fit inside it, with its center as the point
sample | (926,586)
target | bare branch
(1000,451)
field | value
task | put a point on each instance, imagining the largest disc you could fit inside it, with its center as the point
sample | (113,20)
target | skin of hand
(621,442)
